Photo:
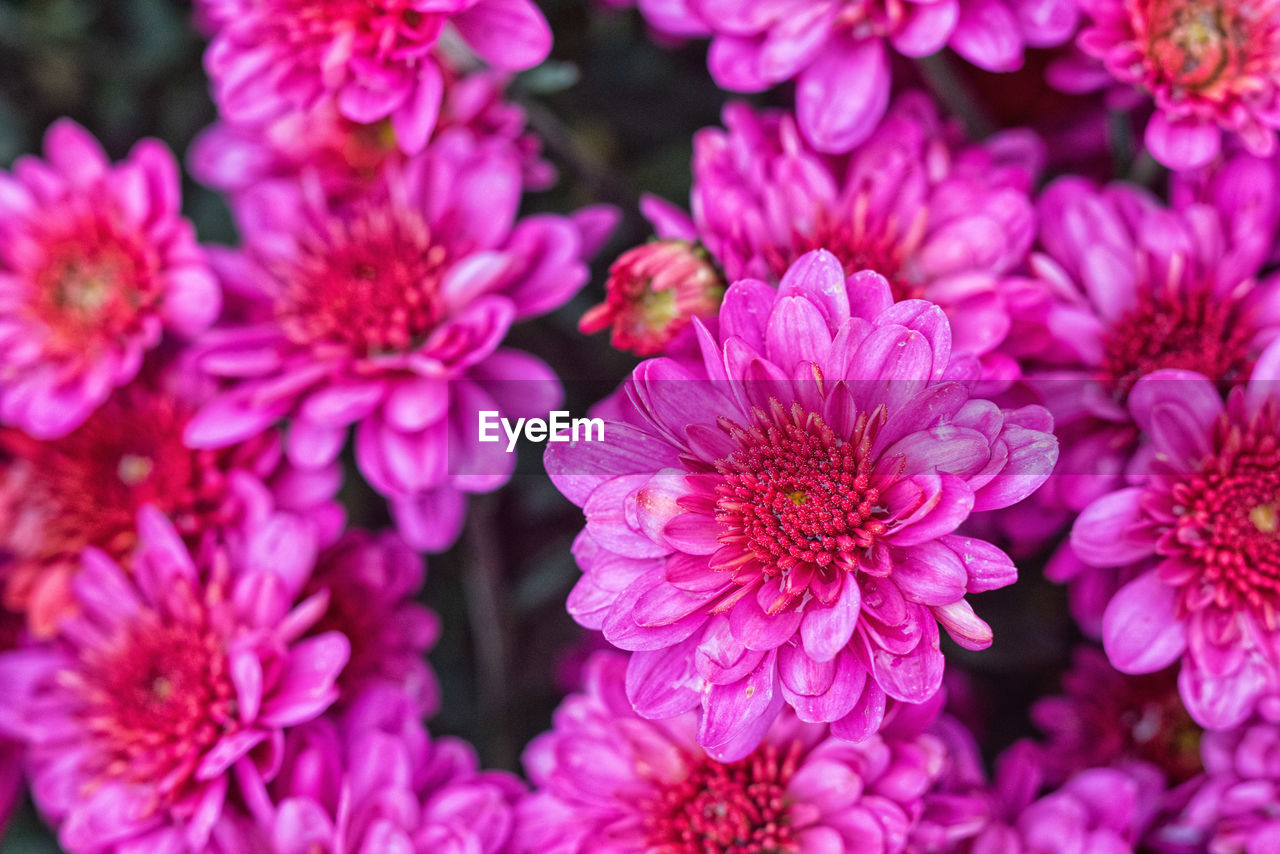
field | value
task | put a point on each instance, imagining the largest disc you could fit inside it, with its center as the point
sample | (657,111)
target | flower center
(1193,332)
(1201,47)
(370,283)
(334,31)
(86,488)
(1225,519)
(736,808)
(93,284)
(860,245)
(156,698)
(794,494)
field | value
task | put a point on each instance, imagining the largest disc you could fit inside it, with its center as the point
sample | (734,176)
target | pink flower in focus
(1098,810)
(387,311)
(347,156)
(1105,717)
(653,293)
(373,780)
(941,220)
(1212,67)
(1123,286)
(836,49)
(1233,809)
(372,581)
(1199,522)
(608,781)
(776,524)
(96,266)
(170,677)
(373,59)
(85,489)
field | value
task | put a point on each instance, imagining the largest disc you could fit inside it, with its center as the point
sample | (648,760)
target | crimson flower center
(86,488)
(157,698)
(1193,332)
(1201,47)
(385,30)
(1227,517)
(735,808)
(796,494)
(370,283)
(860,245)
(94,283)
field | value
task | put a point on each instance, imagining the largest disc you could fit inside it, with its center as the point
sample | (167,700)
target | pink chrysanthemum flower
(1199,520)
(96,265)
(1098,810)
(374,60)
(346,156)
(1105,717)
(170,676)
(941,220)
(1233,808)
(85,489)
(607,781)
(776,525)
(1123,286)
(372,581)
(1212,67)
(389,310)
(836,49)
(372,780)
(653,293)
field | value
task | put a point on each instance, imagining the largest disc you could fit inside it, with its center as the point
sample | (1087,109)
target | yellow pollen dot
(798,497)
(133,469)
(1265,518)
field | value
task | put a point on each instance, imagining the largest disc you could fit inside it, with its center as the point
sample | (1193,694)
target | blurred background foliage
(617,114)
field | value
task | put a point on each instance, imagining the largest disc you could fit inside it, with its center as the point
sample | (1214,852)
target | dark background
(616,114)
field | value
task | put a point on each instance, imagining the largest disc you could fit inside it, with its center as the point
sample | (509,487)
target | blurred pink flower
(1212,67)
(1199,522)
(1233,807)
(168,679)
(1105,717)
(610,782)
(940,219)
(775,526)
(85,489)
(836,50)
(372,780)
(387,311)
(373,60)
(346,156)
(96,266)
(372,581)
(1122,286)
(1099,810)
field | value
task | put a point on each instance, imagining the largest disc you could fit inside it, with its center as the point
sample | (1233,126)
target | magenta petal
(1182,144)
(508,34)
(1177,409)
(1141,631)
(737,63)
(414,119)
(1222,702)
(736,716)
(865,718)
(917,675)
(843,93)
(757,630)
(825,631)
(662,683)
(987,35)
(1108,532)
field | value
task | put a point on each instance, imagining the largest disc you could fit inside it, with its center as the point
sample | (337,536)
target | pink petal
(843,94)
(1141,631)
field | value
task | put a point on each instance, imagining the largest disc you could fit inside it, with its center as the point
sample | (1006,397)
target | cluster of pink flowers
(885,367)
